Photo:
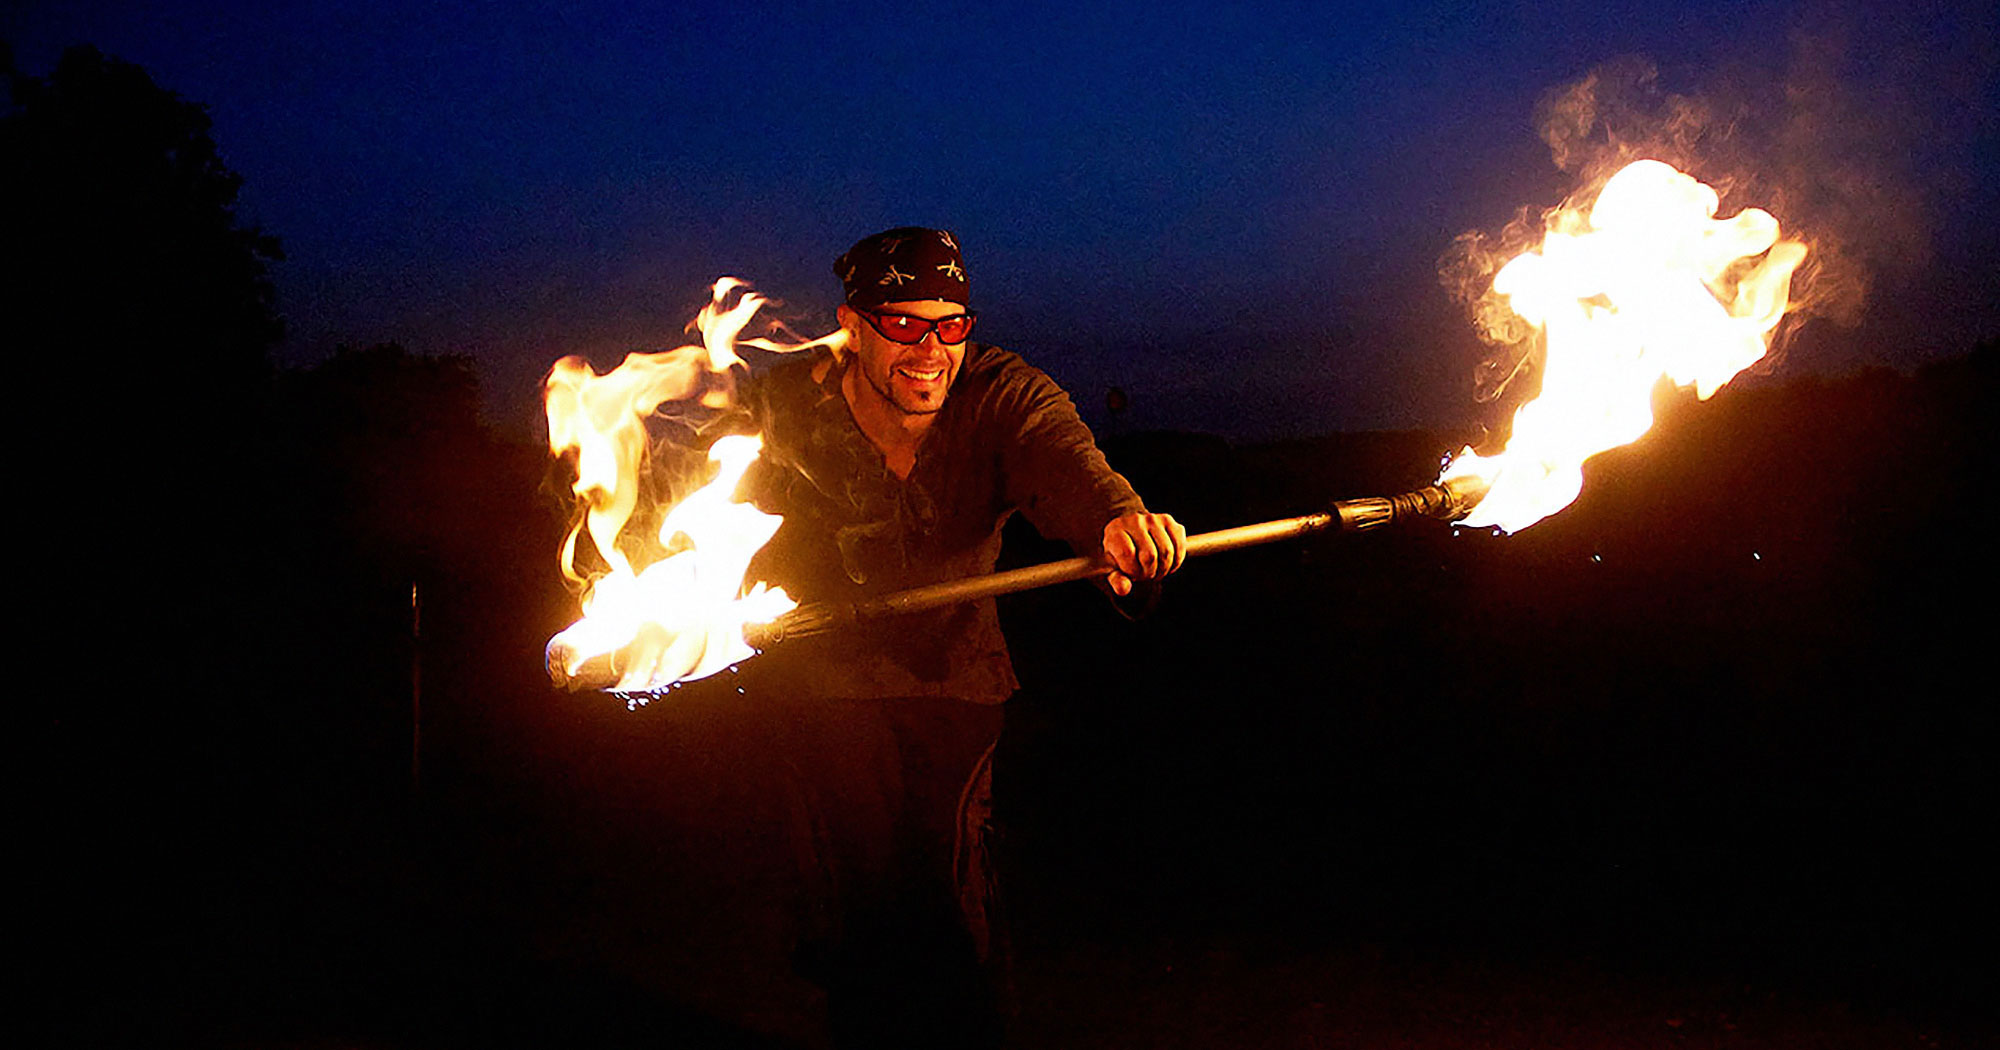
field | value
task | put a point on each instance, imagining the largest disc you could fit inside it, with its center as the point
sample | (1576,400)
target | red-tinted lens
(952,331)
(900,328)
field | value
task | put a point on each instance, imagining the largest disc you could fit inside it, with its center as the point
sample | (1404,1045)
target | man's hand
(1143,546)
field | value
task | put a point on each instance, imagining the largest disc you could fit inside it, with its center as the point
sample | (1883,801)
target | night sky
(1233,211)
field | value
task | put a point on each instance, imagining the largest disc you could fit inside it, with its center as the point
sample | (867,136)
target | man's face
(914,377)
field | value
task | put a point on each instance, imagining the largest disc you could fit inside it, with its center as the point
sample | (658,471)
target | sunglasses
(902,328)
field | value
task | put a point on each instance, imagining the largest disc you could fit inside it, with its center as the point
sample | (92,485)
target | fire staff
(895,460)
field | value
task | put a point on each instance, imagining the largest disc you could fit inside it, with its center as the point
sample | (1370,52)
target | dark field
(1702,762)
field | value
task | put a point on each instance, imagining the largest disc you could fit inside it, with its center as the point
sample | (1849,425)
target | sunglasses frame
(930,325)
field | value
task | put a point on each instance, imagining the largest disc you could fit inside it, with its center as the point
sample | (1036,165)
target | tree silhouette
(126,255)
(388,462)
(138,313)
(138,308)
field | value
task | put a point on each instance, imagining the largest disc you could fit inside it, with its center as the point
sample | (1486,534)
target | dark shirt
(1007,439)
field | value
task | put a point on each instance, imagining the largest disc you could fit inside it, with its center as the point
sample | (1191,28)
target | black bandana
(903,265)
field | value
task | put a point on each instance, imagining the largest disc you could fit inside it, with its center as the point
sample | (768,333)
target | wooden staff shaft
(1445,501)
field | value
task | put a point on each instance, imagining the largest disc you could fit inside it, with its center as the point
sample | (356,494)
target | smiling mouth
(921,375)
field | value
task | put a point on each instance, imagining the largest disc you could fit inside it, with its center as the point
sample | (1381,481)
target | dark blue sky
(1232,210)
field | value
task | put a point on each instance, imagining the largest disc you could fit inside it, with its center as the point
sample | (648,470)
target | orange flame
(1646,284)
(680,613)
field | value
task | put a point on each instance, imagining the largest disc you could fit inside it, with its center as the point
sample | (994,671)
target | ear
(850,323)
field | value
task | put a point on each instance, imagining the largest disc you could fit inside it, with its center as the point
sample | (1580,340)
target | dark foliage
(139,313)
(124,249)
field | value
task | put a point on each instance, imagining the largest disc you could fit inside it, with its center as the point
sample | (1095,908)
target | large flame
(1646,284)
(671,607)
(682,617)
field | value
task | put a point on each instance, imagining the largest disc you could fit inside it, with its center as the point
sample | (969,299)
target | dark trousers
(887,804)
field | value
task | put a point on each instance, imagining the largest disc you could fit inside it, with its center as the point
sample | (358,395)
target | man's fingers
(1165,559)
(1121,548)
(1121,584)
(1149,551)
(1147,546)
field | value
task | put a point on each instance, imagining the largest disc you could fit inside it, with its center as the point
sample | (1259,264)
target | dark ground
(1702,762)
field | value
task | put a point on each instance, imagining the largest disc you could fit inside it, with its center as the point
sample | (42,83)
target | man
(895,461)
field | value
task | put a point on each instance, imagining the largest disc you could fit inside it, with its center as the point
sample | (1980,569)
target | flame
(682,617)
(679,614)
(1647,284)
